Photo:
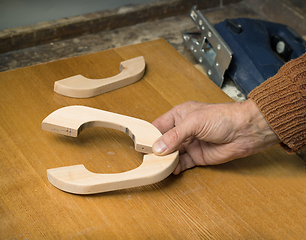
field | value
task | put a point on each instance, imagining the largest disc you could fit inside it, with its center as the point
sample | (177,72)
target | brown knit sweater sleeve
(282,101)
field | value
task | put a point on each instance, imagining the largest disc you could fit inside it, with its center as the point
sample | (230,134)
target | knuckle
(172,136)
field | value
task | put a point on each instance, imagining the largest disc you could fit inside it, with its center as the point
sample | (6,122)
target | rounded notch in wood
(70,121)
(77,179)
(78,86)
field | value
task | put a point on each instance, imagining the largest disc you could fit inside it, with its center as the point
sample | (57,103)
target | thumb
(169,142)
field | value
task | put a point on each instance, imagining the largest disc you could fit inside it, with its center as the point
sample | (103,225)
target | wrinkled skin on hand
(209,134)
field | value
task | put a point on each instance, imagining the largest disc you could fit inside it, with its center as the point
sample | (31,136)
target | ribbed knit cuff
(281,100)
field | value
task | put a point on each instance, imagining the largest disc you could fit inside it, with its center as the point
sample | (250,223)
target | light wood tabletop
(258,197)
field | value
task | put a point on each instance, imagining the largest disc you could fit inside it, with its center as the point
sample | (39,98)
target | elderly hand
(208,134)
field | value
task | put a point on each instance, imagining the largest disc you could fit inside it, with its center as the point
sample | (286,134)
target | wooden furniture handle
(77,179)
(79,86)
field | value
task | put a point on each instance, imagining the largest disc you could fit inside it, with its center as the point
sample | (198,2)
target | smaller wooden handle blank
(79,86)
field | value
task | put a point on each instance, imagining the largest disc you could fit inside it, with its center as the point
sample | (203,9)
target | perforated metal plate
(208,47)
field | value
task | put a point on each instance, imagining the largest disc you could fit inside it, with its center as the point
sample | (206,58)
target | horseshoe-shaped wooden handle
(79,86)
(77,179)
(70,121)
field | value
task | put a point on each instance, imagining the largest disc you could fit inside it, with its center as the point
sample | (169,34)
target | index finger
(165,122)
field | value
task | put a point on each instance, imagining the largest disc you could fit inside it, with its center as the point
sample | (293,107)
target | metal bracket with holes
(208,47)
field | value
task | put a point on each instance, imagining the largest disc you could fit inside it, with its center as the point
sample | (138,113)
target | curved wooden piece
(72,120)
(77,179)
(79,86)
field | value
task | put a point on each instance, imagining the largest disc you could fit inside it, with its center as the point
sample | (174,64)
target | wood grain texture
(77,179)
(258,197)
(71,120)
(79,86)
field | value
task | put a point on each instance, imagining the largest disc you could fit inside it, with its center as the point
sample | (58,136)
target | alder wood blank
(79,86)
(77,179)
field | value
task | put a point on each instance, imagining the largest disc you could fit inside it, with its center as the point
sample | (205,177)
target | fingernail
(159,146)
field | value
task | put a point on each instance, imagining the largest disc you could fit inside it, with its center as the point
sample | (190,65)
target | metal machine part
(260,48)
(249,51)
(208,47)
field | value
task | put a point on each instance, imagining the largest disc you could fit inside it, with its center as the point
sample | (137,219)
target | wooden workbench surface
(259,197)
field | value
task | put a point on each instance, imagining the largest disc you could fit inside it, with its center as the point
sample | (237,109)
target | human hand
(209,134)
